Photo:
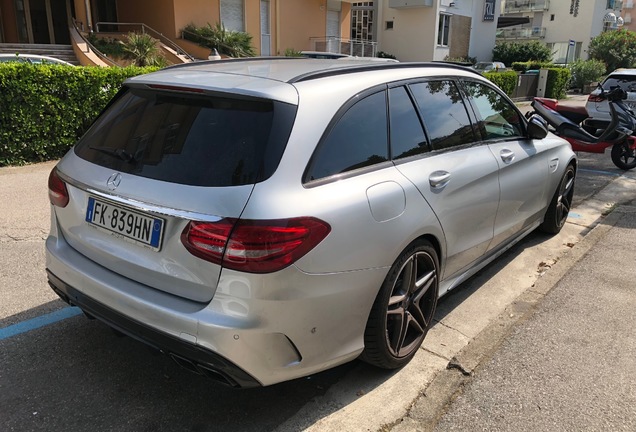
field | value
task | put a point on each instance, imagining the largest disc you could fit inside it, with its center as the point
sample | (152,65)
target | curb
(448,384)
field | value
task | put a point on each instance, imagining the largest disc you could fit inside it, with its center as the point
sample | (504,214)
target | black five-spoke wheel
(404,309)
(559,207)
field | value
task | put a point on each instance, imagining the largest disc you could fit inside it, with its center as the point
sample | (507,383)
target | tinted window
(498,118)
(444,113)
(625,82)
(358,139)
(194,140)
(407,135)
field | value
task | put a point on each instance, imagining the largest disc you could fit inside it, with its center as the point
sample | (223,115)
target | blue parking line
(37,322)
(601,172)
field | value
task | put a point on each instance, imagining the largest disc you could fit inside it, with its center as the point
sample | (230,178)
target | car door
(458,177)
(523,165)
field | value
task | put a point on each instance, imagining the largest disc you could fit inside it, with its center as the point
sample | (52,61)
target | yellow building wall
(158,14)
(197,12)
(80,14)
(345,21)
(253,22)
(298,22)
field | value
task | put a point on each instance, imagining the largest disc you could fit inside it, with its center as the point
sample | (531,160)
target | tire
(623,156)
(560,205)
(403,309)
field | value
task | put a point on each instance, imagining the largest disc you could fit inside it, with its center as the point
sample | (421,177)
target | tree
(228,42)
(616,49)
(586,71)
(510,52)
(143,50)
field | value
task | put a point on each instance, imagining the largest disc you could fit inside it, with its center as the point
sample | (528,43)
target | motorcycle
(568,122)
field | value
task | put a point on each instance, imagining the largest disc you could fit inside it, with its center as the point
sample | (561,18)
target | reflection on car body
(309,218)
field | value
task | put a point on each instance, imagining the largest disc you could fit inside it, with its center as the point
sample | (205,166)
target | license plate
(131,224)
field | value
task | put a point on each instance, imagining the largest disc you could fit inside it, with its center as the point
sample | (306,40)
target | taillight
(595,98)
(58,194)
(254,246)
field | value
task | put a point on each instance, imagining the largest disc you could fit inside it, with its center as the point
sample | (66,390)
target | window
(198,141)
(498,118)
(389,25)
(407,135)
(444,113)
(232,15)
(358,139)
(443,30)
(362,21)
(551,17)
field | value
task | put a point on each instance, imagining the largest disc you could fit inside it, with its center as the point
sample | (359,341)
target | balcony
(358,48)
(524,33)
(629,4)
(516,6)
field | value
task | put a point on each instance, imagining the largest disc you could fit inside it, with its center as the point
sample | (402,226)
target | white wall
(483,33)
(414,33)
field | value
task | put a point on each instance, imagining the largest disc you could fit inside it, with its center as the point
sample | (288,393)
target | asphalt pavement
(549,322)
(561,356)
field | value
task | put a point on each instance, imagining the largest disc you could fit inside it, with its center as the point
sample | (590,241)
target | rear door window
(192,140)
(357,140)
(407,135)
(444,113)
(498,118)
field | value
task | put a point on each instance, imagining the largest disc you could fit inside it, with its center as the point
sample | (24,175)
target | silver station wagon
(261,220)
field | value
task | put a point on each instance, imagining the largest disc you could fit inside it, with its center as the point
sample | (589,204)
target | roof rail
(233,60)
(375,66)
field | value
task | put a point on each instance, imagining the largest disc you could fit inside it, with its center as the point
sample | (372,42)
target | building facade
(275,25)
(565,26)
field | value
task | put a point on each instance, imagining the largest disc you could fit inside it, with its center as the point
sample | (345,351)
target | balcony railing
(358,48)
(615,4)
(515,6)
(521,33)
(629,4)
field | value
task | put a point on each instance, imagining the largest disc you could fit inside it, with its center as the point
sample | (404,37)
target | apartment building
(275,25)
(566,26)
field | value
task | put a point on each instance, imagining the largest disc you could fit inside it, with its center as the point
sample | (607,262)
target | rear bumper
(190,356)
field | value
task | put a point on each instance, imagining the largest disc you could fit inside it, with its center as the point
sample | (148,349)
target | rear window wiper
(119,153)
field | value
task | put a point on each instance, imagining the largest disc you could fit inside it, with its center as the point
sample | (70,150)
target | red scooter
(567,122)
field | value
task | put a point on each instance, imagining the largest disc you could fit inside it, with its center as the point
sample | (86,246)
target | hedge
(44,109)
(558,82)
(507,81)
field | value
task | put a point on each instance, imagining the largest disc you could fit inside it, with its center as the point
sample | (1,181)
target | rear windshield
(625,82)
(193,140)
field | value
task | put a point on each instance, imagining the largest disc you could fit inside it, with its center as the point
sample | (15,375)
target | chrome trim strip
(139,205)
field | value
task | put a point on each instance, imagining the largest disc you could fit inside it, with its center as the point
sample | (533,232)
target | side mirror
(537,127)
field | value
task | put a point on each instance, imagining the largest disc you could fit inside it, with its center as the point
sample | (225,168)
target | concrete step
(62,52)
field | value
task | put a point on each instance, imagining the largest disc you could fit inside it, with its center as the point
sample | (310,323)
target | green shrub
(290,52)
(228,42)
(506,81)
(586,71)
(617,49)
(44,109)
(511,52)
(382,54)
(108,46)
(558,80)
(143,50)
(530,65)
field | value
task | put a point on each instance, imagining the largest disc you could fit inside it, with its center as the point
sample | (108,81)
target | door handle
(507,155)
(439,179)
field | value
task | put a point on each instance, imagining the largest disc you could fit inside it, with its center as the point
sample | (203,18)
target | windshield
(626,82)
(195,140)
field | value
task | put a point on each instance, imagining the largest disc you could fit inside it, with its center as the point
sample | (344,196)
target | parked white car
(31,58)
(598,107)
